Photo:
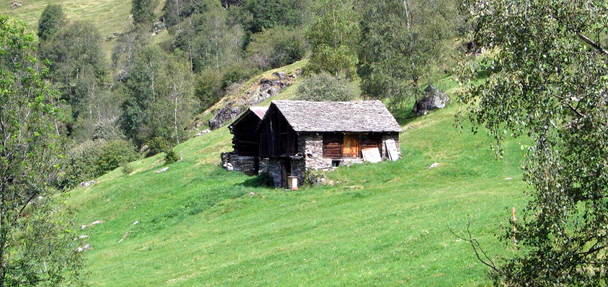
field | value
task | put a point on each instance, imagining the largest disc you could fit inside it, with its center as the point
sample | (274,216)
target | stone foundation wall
(274,170)
(244,164)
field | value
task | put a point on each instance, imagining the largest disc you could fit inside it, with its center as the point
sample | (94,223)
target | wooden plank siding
(349,145)
(277,138)
(332,145)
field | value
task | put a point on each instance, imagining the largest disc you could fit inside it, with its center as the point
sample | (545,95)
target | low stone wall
(235,162)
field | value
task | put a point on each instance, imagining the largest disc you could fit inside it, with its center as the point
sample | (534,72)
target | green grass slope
(109,16)
(380,224)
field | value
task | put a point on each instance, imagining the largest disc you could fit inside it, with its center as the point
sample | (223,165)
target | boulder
(434,99)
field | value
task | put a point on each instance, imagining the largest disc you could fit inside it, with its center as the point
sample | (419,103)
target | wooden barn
(290,137)
(300,135)
(245,142)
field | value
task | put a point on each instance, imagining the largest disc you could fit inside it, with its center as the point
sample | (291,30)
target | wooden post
(514,228)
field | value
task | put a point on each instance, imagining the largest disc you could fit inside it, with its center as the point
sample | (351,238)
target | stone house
(294,136)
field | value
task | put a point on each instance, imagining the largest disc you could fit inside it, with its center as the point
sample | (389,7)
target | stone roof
(355,116)
(259,112)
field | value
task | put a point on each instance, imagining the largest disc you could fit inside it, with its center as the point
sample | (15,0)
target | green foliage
(141,92)
(208,88)
(325,87)
(157,145)
(404,42)
(210,41)
(547,80)
(160,98)
(127,168)
(268,14)
(112,154)
(128,46)
(175,11)
(52,20)
(143,11)
(37,246)
(77,66)
(171,157)
(91,159)
(277,47)
(333,37)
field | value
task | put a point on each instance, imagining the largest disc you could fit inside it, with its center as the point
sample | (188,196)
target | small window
(335,163)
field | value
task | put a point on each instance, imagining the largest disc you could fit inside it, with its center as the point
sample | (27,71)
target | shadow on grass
(262,180)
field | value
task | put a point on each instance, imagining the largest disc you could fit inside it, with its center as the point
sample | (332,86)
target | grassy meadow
(109,16)
(380,224)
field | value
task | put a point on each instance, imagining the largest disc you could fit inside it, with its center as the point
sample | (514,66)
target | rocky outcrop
(434,99)
(259,92)
(224,115)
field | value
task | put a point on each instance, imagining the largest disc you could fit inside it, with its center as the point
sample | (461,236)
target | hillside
(376,224)
(109,16)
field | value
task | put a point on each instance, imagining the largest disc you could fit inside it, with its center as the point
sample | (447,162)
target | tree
(77,65)
(51,21)
(36,246)
(272,13)
(143,12)
(547,69)
(324,87)
(404,42)
(209,41)
(142,91)
(160,99)
(333,38)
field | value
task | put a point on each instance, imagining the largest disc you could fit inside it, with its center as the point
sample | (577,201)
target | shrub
(324,87)
(171,157)
(113,153)
(127,168)
(91,159)
(157,145)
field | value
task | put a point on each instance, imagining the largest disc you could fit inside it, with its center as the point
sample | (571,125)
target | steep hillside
(381,224)
(109,16)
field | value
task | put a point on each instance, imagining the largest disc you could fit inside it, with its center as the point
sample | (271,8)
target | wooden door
(351,145)
(332,145)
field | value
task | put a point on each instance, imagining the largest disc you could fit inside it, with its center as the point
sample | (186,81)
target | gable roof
(258,112)
(355,116)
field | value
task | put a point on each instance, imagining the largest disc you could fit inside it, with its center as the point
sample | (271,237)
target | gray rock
(280,75)
(87,183)
(162,169)
(434,99)
(203,132)
(224,115)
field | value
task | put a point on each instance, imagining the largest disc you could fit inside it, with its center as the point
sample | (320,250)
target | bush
(91,159)
(324,87)
(114,153)
(157,145)
(127,168)
(171,157)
